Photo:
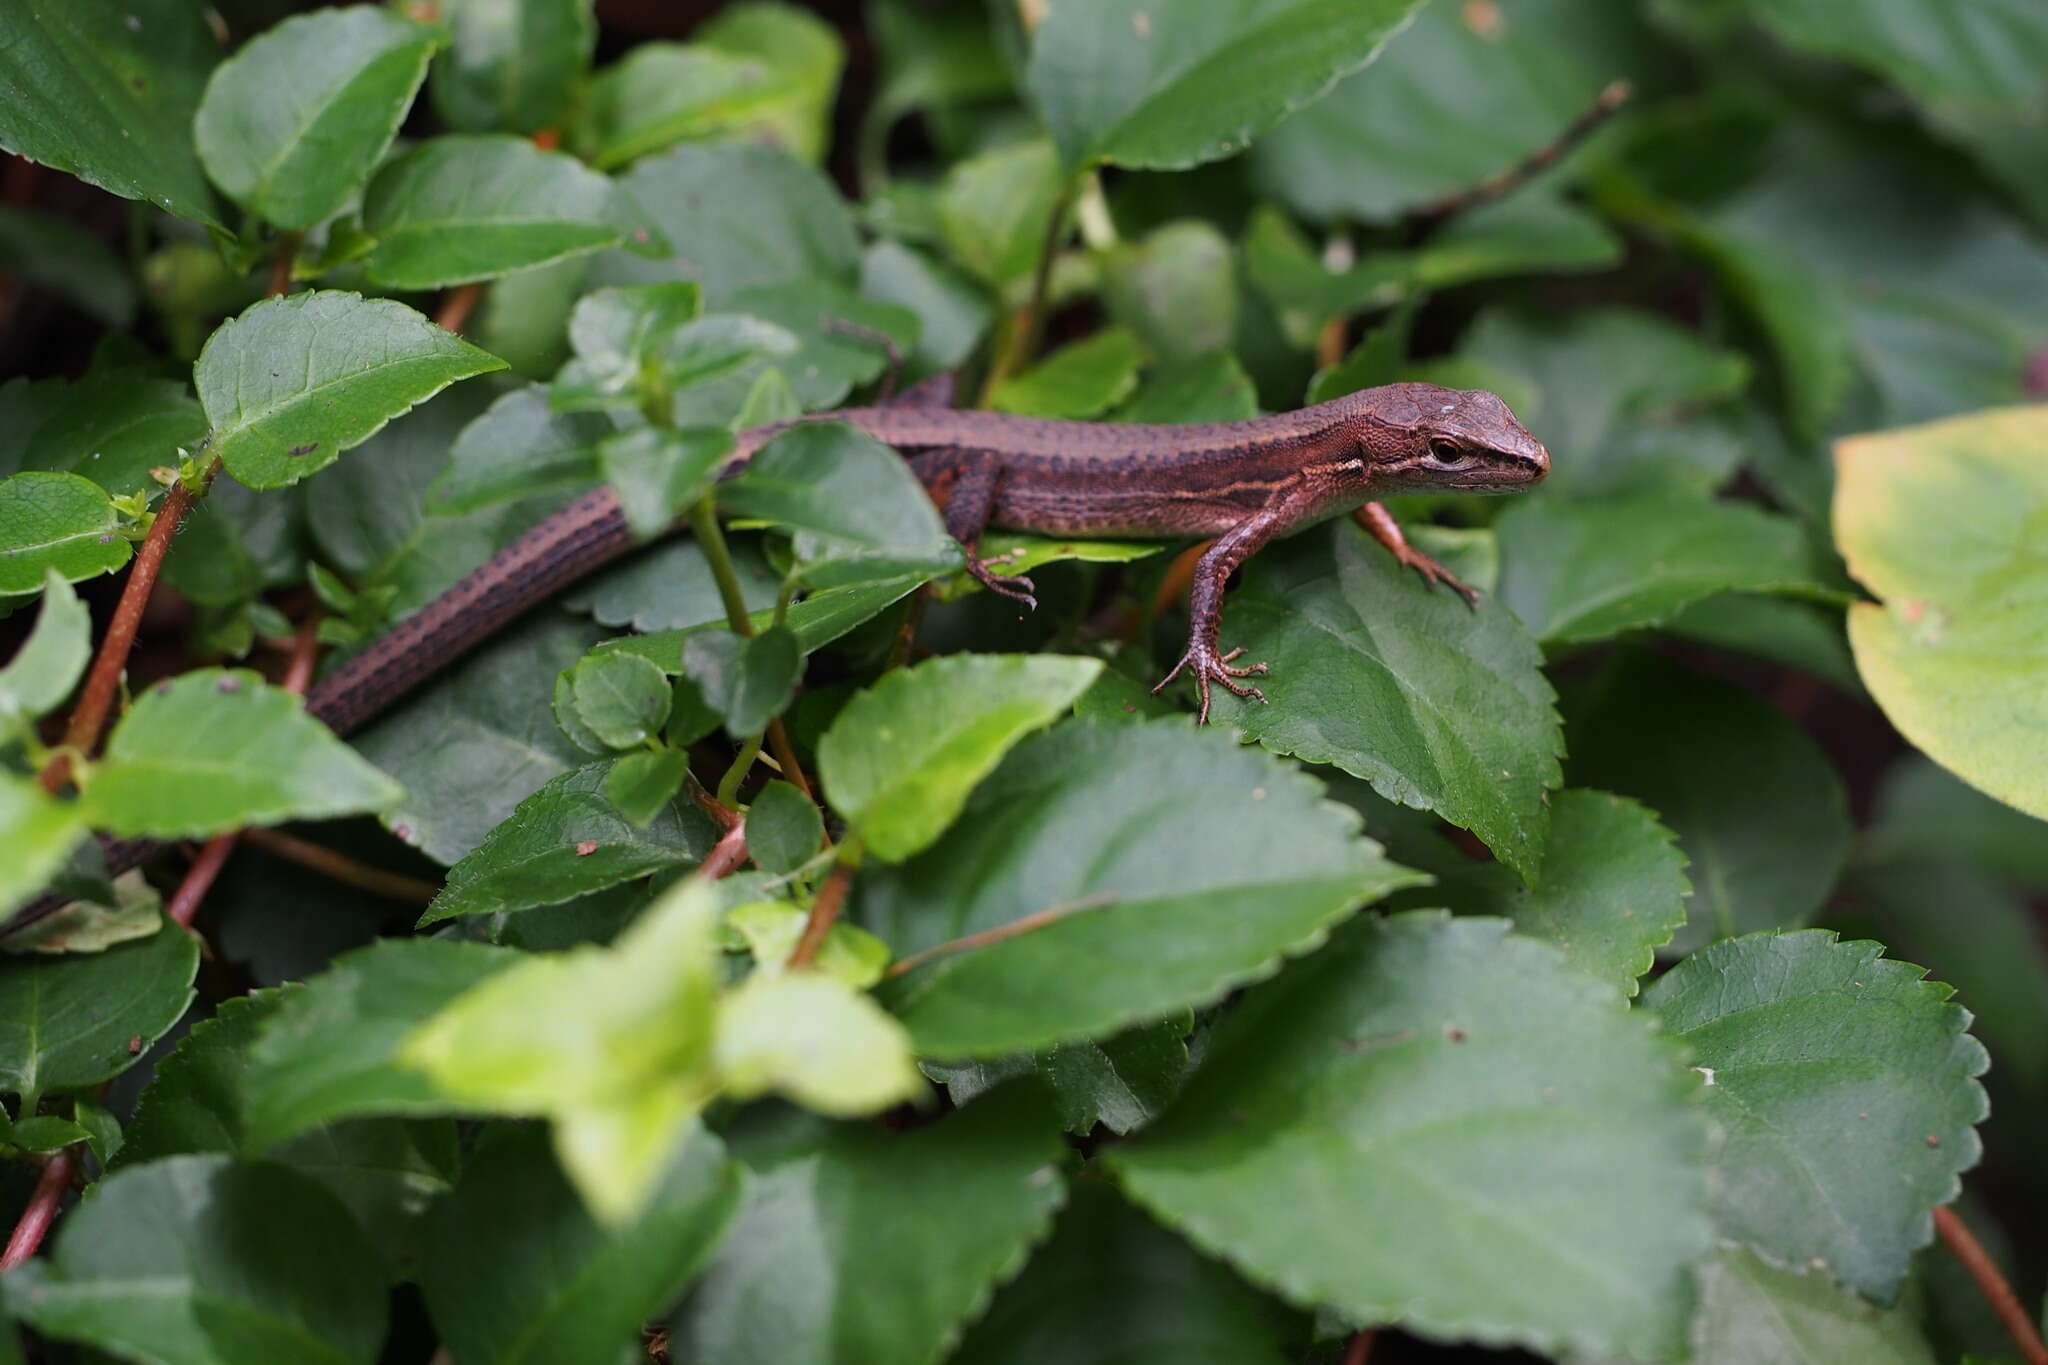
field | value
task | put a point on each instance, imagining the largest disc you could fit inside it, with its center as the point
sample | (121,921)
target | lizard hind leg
(963,483)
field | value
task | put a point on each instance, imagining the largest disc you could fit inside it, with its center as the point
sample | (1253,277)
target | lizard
(1243,483)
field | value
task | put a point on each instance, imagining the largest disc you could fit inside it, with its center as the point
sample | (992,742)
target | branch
(35,1220)
(456,306)
(2006,1304)
(1505,182)
(342,868)
(89,717)
(824,911)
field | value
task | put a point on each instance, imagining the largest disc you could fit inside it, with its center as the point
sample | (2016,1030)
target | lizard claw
(1017,589)
(1434,573)
(1207,667)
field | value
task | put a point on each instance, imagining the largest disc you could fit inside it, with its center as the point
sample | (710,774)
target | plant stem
(1360,1349)
(704,525)
(729,785)
(725,856)
(1028,325)
(1024,924)
(2012,1315)
(89,717)
(342,868)
(825,909)
(35,1220)
(456,306)
(281,263)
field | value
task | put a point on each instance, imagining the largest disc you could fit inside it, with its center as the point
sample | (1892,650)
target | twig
(2006,1304)
(89,717)
(281,264)
(456,306)
(1179,575)
(785,758)
(206,868)
(35,1220)
(1029,323)
(1360,1349)
(1037,919)
(725,856)
(1330,342)
(342,868)
(1504,182)
(824,911)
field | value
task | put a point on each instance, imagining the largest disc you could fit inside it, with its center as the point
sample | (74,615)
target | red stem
(35,1220)
(1956,1234)
(824,911)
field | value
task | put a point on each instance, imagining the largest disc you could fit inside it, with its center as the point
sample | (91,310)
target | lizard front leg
(963,483)
(1294,504)
(1375,518)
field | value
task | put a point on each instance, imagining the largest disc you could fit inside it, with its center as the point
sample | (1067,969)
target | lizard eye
(1444,454)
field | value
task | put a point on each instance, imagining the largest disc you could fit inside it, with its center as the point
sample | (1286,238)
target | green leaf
(480,738)
(1977,74)
(952,311)
(131,909)
(1209,388)
(902,757)
(1463,95)
(1923,809)
(459,208)
(292,125)
(217,749)
(849,1250)
(857,511)
(640,785)
(1111,1284)
(294,381)
(517,1273)
(771,931)
(201,1260)
(817,1040)
(1197,879)
(612,1043)
(56,523)
(658,471)
(75,1020)
(108,95)
(1620,393)
(670,586)
(511,67)
(1586,568)
(519,446)
(739,215)
(1845,1088)
(816,621)
(1081,379)
(993,209)
(619,330)
(1438,705)
(784,828)
(51,660)
(829,359)
(331,1050)
(802,55)
(387,1171)
(113,426)
(1441,1076)
(1753,1314)
(48,250)
(1760,815)
(747,682)
(567,840)
(1171,87)
(1177,289)
(1121,1083)
(1934,520)
(620,699)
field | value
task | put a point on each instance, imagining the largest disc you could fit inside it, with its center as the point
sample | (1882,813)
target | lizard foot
(1017,589)
(1207,667)
(1433,573)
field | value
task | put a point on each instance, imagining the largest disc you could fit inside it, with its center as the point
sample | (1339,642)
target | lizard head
(1436,439)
